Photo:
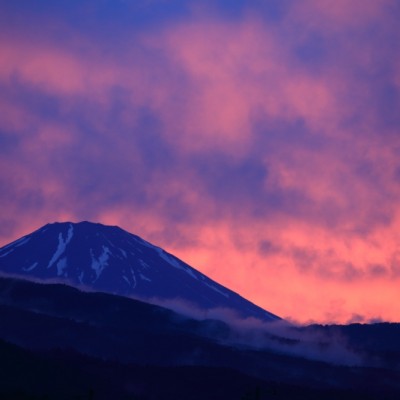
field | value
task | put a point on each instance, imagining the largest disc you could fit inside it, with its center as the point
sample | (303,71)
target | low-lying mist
(278,336)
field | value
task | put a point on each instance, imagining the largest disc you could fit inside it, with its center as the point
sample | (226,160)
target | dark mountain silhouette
(60,342)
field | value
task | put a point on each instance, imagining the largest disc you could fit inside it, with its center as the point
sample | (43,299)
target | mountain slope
(109,259)
(121,345)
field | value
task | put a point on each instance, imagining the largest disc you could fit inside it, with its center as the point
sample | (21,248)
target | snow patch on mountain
(133,277)
(143,264)
(17,243)
(131,282)
(98,264)
(30,268)
(7,253)
(144,278)
(174,262)
(143,242)
(21,242)
(12,246)
(62,245)
(216,289)
(61,265)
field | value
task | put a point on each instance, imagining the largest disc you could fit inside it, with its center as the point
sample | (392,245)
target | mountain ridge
(113,332)
(111,260)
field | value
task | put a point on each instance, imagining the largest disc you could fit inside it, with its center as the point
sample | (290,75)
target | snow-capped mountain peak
(109,259)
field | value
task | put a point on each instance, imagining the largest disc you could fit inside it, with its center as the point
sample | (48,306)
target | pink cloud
(222,98)
(329,16)
(235,72)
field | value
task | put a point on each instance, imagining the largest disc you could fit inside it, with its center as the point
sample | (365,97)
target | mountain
(111,260)
(59,342)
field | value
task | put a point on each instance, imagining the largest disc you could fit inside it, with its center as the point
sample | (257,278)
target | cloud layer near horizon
(258,142)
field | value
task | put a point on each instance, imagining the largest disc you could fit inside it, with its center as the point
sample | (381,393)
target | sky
(256,140)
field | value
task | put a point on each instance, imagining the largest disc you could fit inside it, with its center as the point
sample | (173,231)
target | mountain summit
(109,259)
